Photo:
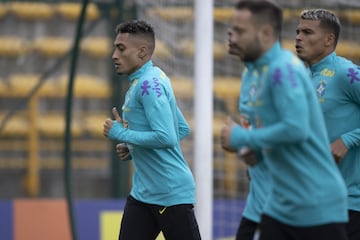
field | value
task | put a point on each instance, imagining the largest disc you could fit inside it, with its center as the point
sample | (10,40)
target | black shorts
(246,229)
(271,229)
(353,226)
(142,221)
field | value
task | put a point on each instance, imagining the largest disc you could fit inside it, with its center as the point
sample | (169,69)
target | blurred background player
(259,184)
(308,195)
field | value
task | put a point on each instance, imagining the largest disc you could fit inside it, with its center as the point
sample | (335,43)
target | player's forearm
(151,139)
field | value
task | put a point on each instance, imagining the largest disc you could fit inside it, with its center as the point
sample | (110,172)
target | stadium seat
(72,10)
(98,47)
(85,86)
(348,49)
(227,87)
(172,13)
(13,46)
(183,87)
(93,124)
(53,125)
(3,9)
(3,87)
(350,15)
(31,10)
(162,50)
(187,47)
(22,84)
(223,14)
(16,126)
(289,44)
(52,46)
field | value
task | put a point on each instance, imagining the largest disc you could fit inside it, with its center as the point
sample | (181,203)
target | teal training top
(337,84)
(153,128)
(259,185)
(307,188)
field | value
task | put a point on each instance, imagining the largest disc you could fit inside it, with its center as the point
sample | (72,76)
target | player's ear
(330,39)
(143,52)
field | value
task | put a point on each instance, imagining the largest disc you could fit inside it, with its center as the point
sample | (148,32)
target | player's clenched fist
(225,135)
(123,152)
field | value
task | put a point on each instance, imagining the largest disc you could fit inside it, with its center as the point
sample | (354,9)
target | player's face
(311,41)
(126,54)
(243,37)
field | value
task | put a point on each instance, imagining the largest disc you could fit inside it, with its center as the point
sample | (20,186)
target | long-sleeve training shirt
(337,84)
(307,187)
(259,185)
(154,126)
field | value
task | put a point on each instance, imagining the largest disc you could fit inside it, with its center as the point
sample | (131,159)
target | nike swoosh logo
(161,211)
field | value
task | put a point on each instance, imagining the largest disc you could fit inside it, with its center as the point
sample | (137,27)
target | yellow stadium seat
(227,87)
(12,46)
(172,13)
(3,9)
(289,44)
(85,86)
(31,10)
(351,15)
(187,46)
(52,46)
(72,11)
(97,46)
(183,87)
(4,88)
(348,49)
(93,124)
(22,84)
(223,14)
(53,125)
(16,126)
(162,50)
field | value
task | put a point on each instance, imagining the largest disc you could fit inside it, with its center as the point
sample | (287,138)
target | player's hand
(109,122)
(123,151)
(338,150)
(225,135)
(248,156)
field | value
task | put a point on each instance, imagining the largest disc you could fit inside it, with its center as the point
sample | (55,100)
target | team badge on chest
(320,90)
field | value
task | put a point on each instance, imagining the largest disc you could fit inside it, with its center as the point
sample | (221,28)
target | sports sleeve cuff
(237,137)
(115,131)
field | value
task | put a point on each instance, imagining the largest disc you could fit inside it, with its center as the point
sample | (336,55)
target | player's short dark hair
(138,28)
(328,20)
(264,11)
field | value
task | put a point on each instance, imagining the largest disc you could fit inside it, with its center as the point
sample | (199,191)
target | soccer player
(259,184)
(151,127)
(307,198)
(336,81)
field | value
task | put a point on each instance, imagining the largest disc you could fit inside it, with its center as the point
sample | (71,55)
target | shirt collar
(323,62)
(140,71)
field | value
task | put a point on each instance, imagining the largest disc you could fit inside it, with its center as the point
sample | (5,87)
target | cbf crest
(320,90)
